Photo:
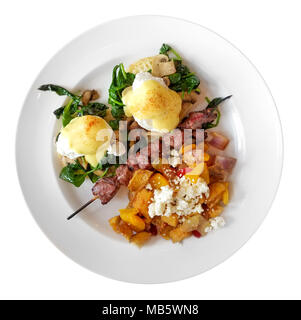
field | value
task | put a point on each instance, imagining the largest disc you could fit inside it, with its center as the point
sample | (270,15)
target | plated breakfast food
(157,136)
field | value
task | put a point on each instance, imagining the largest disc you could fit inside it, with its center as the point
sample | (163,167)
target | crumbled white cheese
(148,187)
(215,223)
(183,200)
(175,158)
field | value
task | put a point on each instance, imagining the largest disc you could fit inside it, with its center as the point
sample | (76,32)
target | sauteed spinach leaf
(213,105)
(182,80)
(76,174)
(74,107)
(120,80)
(165,48)
(60,91)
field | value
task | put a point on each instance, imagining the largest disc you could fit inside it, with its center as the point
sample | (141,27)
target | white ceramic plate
(249,119)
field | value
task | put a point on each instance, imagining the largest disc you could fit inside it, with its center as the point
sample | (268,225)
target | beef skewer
(82,207)
(106,188)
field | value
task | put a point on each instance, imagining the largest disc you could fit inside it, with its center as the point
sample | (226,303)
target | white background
(268,266)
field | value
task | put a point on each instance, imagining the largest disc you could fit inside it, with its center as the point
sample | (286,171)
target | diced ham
(216,173)
(222,168)
(143,161)
(225,163)
(217,140)
(106,188)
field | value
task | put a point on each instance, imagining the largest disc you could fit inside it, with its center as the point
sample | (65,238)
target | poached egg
(152,104)
(87,136)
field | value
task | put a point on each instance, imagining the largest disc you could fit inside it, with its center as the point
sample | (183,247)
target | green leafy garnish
(120,80)
(74,107)
(114,124)
(167,48)
(58,112)
(174,78)
(60,91)
(74,173)
(66,116)
(213,124)
(95,109)
(183,80)
(216,102)
(213,106)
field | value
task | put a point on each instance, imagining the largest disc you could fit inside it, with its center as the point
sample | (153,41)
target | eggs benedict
(87,136)
(153,105)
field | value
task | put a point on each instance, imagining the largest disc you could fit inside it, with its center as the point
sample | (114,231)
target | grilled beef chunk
(106,188)
(174,139)
(196,120)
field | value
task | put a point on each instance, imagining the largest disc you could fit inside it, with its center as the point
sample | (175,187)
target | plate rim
(280,143)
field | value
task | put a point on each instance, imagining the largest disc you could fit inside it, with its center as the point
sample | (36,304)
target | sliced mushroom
(83,162)
(86,97)
(134,125)
(167,68)
(162,66)
(192,97)
(89,95)
(65,161)
(186,97)
(95,95)
(187,107)
(195,96)
(167,81)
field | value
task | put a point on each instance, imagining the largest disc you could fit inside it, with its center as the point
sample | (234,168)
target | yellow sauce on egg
(88,135)
(152,101)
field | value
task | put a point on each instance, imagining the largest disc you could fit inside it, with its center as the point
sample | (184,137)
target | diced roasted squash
(157,181)
(121,227)
(193,178)
(130,216)
(204,223)
(205,174)
(139,239)
(191,223)
(171,220)
(216,193)
(114,223)
(216,211)
(139,180)
(206,157)
(167,170)
(186,148)
(178,234)
(125,230)
(165,231)
(141,202)
(225,198)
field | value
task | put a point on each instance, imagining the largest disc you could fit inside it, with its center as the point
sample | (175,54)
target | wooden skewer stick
(82,207)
